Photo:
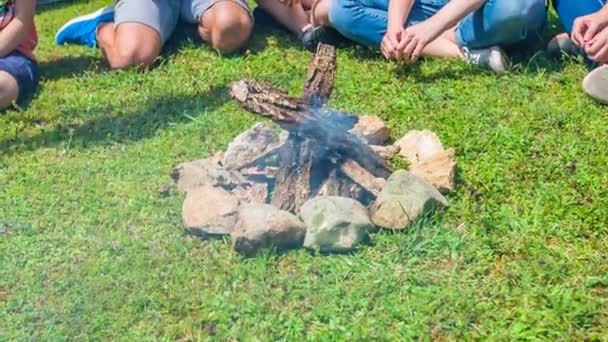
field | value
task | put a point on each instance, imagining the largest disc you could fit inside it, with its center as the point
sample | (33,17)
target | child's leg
(501,22)
(569,10)
(225,24)
(365,21)
(129,45)
(130,33)
(293,17)
(319,11)
(9,90)
(139,30)
(18,79)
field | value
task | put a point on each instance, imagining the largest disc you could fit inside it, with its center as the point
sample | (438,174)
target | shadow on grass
(56,5)
(69,66)
(132,126)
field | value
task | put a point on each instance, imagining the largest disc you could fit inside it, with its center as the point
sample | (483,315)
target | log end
(239,90)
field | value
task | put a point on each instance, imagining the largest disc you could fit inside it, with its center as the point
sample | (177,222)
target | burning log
(320,155)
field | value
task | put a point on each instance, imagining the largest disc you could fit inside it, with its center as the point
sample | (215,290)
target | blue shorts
(24,70)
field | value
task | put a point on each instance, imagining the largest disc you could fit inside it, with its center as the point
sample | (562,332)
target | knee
(340,14)
(517,20)
(231,29)
(9,92)
(133,56)
(522,13)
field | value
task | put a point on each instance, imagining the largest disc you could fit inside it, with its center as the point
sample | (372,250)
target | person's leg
(9,90)
(129,34)
(569,10)
(18,79)
(500,22)
(293,17)
(365,22)
(139,30)
(129,44)
(226,25)
(319,9)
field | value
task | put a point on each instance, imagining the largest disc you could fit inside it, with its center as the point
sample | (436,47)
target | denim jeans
(498,22)
(569,10)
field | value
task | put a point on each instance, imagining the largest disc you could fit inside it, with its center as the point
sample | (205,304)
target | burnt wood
(320,156)
(319,82)
(329,129)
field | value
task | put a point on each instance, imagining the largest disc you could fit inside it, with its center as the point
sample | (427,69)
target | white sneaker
(493,58)
(595,84)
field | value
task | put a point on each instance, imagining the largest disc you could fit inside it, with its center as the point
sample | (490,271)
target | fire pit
(316,182)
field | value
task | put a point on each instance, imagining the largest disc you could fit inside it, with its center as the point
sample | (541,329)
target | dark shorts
(24,70)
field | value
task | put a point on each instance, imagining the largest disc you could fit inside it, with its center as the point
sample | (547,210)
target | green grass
(90,251)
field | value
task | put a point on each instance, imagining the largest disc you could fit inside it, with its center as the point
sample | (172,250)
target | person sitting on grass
(587,24)
(18,39)
(308,20)
(132,32)
(471,30)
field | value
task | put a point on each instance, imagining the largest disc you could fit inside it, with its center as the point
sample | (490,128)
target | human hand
(585,28)
(414,39)
(597,48)
(390,42)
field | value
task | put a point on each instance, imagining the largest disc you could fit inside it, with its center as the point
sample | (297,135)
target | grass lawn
(89,250)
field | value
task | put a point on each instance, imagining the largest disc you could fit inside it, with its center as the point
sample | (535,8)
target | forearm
(11,36)
(398,12)
(455,11)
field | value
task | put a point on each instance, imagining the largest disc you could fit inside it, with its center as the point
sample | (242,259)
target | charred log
(328,129)
(320,156)
(320,78)
(292,184)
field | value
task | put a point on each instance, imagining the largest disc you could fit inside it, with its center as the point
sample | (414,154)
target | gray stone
(372,130)
(209,211)
(264,226)
(250,146)
(405,198)
(198,173)
(335,224)
(416,146)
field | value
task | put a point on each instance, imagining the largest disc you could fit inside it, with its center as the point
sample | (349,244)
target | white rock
(386,152)
(416,146)
(192,175)
(372,130)
(439,170)
(209,211)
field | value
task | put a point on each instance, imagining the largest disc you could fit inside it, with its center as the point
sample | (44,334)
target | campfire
(316,182)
